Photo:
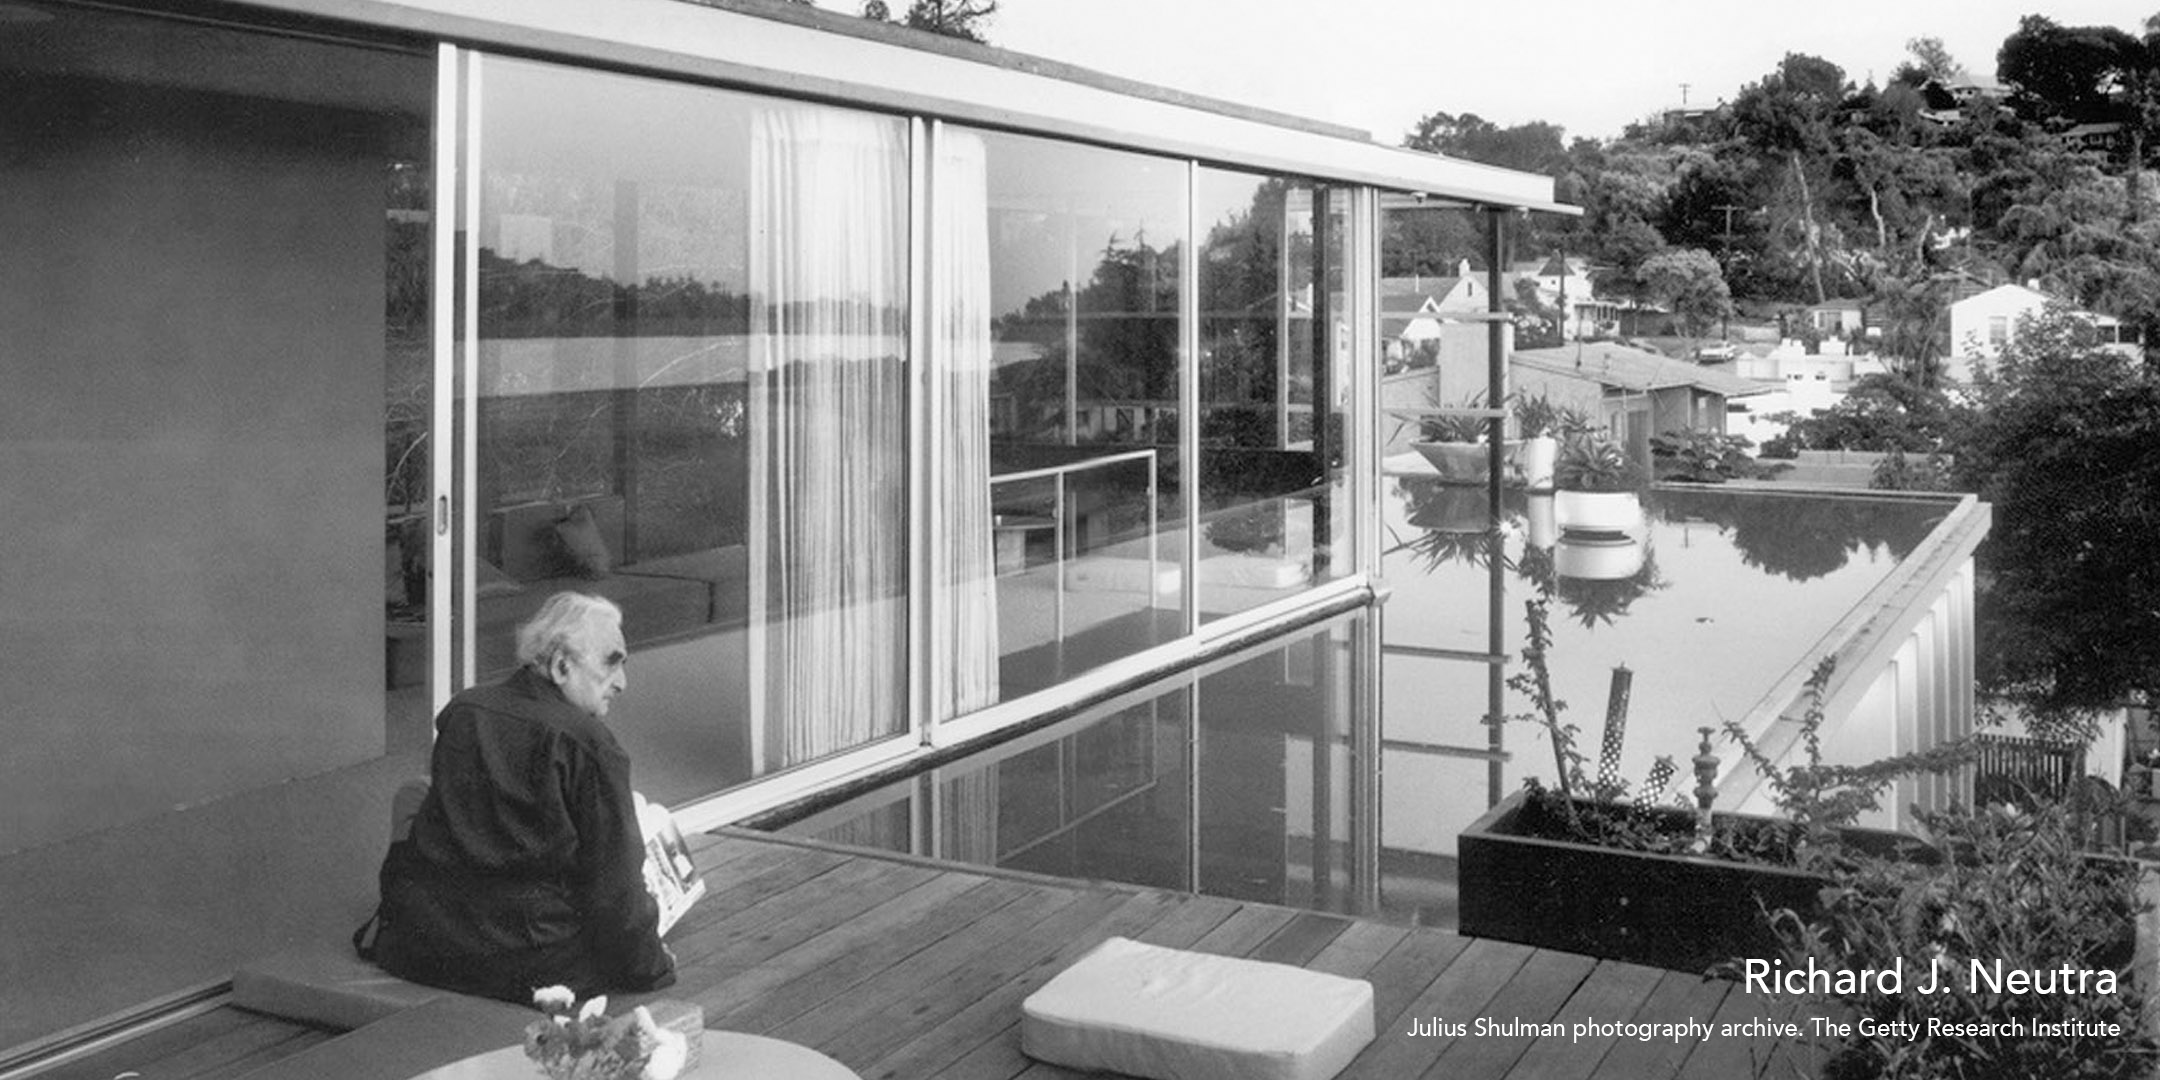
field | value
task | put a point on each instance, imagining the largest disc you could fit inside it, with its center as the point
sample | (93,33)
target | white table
(723,1055)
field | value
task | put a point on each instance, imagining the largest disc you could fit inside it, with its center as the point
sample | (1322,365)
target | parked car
(1718,353)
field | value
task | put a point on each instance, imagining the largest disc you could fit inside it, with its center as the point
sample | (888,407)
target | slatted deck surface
(904,969)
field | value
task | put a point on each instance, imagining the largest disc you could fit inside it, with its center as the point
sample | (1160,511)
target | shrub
(2019,889)
(1704,456)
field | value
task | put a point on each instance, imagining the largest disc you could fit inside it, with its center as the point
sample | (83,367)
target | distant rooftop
(1628,368)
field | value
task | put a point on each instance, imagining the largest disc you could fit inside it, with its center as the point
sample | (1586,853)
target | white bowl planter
(1457,462)
(1544,524)
(1599,557)
(1534,459)
(1598,511)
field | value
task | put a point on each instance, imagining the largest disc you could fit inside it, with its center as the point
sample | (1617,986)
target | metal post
(1496,600)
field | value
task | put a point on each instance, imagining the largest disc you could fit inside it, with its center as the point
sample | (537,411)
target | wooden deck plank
(264,1055)
(255,1043)
(1005,975)
(757,877)
(1535,994)
(935,983)
(1301,939)
(150,1049)
(911,971)
(787,919)
(986,1033)
(1408,969)
(1809,1054)
(907,969)
(796,980)
(1720,1058)
(1455,995)
(715,850)
(1244,931)
(1613,993)
(1358,949)
(1677,998)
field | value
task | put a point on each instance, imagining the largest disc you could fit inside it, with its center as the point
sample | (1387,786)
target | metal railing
(1060,519)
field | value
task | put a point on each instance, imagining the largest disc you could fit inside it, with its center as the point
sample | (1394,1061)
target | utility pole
(1725,261)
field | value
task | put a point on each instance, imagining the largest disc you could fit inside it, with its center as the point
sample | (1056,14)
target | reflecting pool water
(1220,779)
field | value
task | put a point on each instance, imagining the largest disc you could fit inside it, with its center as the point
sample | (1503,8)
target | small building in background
(1982,324)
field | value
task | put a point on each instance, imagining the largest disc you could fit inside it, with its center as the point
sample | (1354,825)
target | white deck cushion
(1168,1014)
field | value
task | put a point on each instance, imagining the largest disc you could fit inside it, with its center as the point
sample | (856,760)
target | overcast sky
(1591,66)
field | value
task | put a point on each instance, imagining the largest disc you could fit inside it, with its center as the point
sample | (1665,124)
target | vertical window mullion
(1189,398)
(927,649)
(468,500)
(443,353)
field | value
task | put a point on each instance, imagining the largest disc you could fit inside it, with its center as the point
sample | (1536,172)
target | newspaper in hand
(669,874)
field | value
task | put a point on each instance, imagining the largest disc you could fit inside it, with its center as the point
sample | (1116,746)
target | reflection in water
(1261,778)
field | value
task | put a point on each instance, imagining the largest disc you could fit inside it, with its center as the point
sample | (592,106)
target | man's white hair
(565,620)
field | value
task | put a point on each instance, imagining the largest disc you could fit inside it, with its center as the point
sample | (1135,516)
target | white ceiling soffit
(747,50)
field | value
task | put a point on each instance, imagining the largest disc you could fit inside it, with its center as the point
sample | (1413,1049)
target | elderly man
(524,867)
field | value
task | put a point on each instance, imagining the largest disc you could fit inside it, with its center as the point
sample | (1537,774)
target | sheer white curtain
(964,568)
(828,448)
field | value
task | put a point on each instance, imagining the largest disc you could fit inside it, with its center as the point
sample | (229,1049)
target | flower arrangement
(583,1043)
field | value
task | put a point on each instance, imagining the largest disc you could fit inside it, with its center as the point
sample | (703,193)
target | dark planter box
(1678,912)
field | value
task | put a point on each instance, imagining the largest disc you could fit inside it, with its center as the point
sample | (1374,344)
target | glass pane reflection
(1274,378)
(692,401)
(1261,777)
(1081,299)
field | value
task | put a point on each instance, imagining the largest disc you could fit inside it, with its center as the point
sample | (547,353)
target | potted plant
(1454,441)
(1583,867)
(1538,422)
(1438,506)
(2020,891)
(1596,485)
(1601,556)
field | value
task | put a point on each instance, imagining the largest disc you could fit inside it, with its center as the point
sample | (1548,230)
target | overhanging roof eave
(755,52)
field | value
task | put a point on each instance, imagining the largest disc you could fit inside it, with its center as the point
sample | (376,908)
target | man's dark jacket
(524,867)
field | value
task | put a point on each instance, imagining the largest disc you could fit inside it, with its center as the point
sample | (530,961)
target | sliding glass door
(690,398)
(1058,315)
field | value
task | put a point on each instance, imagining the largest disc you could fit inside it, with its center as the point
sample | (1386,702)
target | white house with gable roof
(1981,324)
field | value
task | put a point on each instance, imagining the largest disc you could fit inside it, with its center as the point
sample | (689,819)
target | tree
(1916,333)
(1930,62)
(953,18)
(2066,445)
(1788,116)
(1688,283)
(2067,71)
(1880,412)
(1534,147)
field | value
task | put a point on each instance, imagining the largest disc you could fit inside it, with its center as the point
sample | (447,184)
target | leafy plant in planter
(1540,423)
(1591,461)
(1455,444)
(1702,456)
(2018,894)
(1454,429)
(1598,485)
(1578,869)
